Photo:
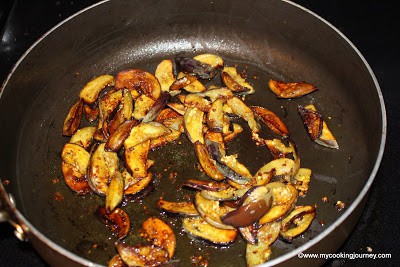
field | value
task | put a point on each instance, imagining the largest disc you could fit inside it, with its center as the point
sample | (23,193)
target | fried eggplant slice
(207,163)
(83,136)
(122,113)
(165,74)
(259,253)
(184,81)
(92,89)
(290,89)
(165,139)
(156,108)
(249,233)
(181,208)
(188,83)
(195,100)
(301,217)
(214,94)
(117,138)
(232,162)
(232,79)
(312,120)
(316,126)
(102,166)
(271,120)
(75,161)
(284,198)
(256,202)
(211,211)
(160,233)
(243,111)
(145,131)
(143,105)
(142,255)
(282,168)
(167,114)
(195,67)
(142,81)
(228,194)
(237,129)
(193,123)
(210,59)
(91,111)
(277,148)
(136,158)
(117,221)
(108,104)
(199,228)
(178,107)
(73,119)
(217,120)
(302,180)
(140,185)
(115,192)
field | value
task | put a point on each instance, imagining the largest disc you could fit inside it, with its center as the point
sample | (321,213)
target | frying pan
(273,39)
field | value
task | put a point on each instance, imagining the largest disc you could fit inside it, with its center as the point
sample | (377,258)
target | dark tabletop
(373,26)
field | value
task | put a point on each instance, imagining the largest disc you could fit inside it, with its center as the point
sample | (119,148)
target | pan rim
(285,257)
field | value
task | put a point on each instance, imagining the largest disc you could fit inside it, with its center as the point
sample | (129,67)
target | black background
(373,26)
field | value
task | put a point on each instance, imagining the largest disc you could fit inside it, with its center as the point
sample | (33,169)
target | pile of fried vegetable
(137,111)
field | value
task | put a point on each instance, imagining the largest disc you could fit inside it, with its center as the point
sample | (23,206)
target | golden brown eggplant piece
(316,127)
(211,211)
(140,185)
(210,59)
(136,158)
(117,138)
(160,233)
(184,81)
(302,180)
(117,221)
(181,208)
(271,120)
(243,111)
(199,228)
(193,123)
(165,74)
(232,79)
(142,255)
(291,89)
(92,89)
(284,198)
(102,166)
(301,217)
(115,192)
(73,119)
(142,81)
(75,161)
(282,168)
(189,83)
(259,253)
(207,163)
(83,136)
(145,131)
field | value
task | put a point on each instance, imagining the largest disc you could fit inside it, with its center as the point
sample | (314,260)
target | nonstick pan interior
(269,39)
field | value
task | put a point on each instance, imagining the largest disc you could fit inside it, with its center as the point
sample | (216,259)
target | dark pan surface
(265,42)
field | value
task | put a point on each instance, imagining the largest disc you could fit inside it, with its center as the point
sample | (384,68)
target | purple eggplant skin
(252,206)
(195,67)
(159,105)
(246,214)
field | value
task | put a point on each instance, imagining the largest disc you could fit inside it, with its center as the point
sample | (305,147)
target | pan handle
(7,213)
